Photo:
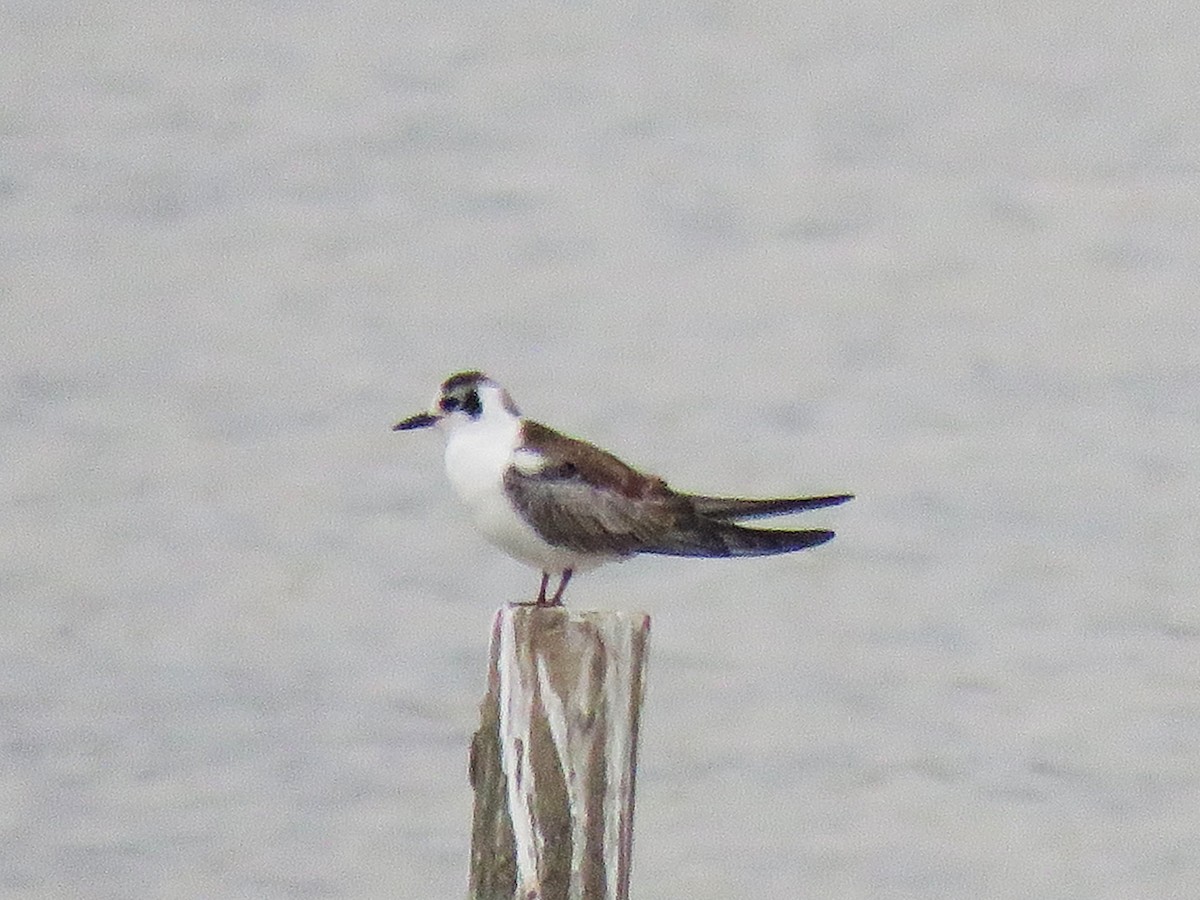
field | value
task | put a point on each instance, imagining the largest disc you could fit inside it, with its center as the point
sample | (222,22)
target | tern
(563,505)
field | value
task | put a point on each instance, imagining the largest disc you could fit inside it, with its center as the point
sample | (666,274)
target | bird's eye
(467,402)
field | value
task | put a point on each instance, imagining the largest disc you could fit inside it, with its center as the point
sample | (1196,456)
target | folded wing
(593,503)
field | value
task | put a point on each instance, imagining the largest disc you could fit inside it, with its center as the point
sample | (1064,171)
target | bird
(564,506)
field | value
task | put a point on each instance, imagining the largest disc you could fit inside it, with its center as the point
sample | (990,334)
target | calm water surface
(941,257)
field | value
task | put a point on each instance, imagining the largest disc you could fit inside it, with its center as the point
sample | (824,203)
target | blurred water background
(941,255)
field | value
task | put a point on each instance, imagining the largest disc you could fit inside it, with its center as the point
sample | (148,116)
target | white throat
(479,450)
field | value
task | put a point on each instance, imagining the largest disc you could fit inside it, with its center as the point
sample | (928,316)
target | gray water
(941,257)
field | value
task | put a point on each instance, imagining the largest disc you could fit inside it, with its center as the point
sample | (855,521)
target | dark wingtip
(725,539)
(729,508)
(753,541)
(790,541)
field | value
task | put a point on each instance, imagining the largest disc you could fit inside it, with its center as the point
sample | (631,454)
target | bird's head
(465,399)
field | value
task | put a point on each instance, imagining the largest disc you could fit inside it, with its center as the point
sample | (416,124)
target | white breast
(477,455)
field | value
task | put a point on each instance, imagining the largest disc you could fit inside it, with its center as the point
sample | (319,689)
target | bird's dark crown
(463,379)
(460,393)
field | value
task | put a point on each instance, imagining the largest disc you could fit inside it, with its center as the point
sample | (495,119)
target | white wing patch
(528,462)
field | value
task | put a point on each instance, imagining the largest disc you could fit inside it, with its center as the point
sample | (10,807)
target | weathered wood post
(553,761)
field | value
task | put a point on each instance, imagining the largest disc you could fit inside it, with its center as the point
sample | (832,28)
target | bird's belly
(500,524)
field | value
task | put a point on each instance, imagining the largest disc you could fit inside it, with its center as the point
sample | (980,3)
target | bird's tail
(730,508)
(722,539)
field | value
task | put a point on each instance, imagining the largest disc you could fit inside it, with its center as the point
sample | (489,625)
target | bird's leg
(541,597)
(562,586)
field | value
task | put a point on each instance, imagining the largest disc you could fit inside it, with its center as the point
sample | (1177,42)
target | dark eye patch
(468,403)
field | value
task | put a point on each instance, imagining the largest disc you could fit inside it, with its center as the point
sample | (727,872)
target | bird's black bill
(420,420)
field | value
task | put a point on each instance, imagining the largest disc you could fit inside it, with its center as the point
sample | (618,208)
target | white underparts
(478,452)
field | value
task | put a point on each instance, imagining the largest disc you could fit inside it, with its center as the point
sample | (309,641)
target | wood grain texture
(554,760)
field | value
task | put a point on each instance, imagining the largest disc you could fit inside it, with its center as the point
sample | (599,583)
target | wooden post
(553,761)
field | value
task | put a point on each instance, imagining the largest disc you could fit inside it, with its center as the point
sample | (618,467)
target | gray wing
(567,510)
